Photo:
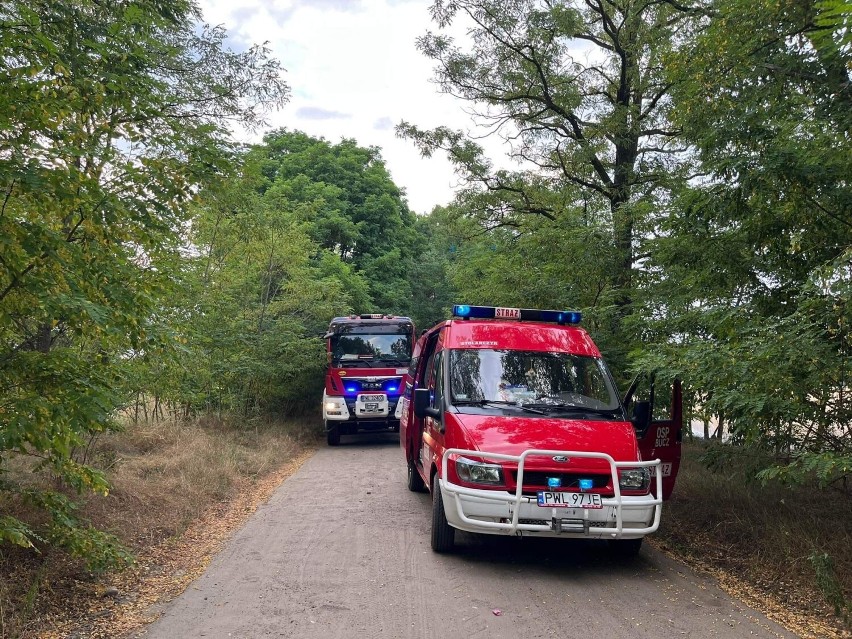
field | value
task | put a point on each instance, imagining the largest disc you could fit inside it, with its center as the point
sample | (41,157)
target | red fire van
(511,419)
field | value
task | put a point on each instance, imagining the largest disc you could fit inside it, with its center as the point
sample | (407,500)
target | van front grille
(538,479)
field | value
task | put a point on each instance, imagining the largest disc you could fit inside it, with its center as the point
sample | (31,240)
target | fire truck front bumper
(363,408)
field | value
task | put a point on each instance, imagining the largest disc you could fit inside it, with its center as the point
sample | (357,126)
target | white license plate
(371,398)
(666,469)
(548,499)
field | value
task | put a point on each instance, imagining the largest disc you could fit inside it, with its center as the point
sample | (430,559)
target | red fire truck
(512,421)
(368,356)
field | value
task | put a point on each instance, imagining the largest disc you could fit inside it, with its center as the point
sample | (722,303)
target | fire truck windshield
(372,349)
(531,378)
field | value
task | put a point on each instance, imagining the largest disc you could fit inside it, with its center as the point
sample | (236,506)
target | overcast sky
(354,72)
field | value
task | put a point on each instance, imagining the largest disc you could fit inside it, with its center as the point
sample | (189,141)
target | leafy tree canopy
(348,203)
(112,115)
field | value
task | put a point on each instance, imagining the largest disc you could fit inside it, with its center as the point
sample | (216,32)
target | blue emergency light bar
(466,311)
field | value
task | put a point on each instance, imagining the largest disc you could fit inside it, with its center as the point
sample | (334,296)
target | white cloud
(354,72)
(383,124)
(318,113)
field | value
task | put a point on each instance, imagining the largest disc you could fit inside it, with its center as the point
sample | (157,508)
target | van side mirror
(422,401)
(641,417)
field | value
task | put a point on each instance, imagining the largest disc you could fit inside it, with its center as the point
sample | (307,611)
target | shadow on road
(562,557)
(379,439)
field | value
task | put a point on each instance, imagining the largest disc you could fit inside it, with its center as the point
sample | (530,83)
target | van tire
(415,481)
(625,548)
(332,434)
(443,535)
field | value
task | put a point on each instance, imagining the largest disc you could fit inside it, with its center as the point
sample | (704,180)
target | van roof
(515,335)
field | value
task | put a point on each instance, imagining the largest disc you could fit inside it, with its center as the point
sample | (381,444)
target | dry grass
(164,476)
(760,541)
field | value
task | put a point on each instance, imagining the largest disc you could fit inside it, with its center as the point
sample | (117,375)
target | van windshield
(542,379)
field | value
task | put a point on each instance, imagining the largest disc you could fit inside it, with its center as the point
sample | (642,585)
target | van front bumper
(499,512)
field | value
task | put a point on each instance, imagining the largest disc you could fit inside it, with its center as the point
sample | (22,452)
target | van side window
(438,378)
(426,381)
(427,358)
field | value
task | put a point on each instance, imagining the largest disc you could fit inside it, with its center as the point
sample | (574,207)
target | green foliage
(826,468)
(748,294)
(345,201)
(829,584)
(101,551)
(64,529)
(563,263)
(433,294)
(112,115)
(834,24)
(17,532)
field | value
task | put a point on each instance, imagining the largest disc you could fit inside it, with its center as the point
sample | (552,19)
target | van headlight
(478,472)
(634,479)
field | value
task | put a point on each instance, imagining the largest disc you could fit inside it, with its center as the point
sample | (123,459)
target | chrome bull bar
(463,493)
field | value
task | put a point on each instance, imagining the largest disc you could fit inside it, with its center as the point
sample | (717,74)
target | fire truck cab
(368,357)
(511,419)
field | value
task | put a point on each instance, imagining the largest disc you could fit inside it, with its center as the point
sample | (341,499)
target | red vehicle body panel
(526,336)
(335,378)
(514,435)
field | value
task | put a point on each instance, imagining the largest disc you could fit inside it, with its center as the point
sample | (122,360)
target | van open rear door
(663,436)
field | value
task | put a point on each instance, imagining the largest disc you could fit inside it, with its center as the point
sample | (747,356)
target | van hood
(512,435)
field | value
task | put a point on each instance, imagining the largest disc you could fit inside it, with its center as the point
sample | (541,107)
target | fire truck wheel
(332,434)
(443,535)
(625,548)
(415,481)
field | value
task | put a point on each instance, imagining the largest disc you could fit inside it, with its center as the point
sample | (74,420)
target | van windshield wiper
(562,406)
(497,402)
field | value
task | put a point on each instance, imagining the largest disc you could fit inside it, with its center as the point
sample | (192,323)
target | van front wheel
(443,535)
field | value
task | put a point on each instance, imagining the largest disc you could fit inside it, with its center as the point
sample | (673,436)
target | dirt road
(342,551)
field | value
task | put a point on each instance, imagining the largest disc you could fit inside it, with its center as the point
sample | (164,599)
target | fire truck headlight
(335,407)
(634,479)
(478,472)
